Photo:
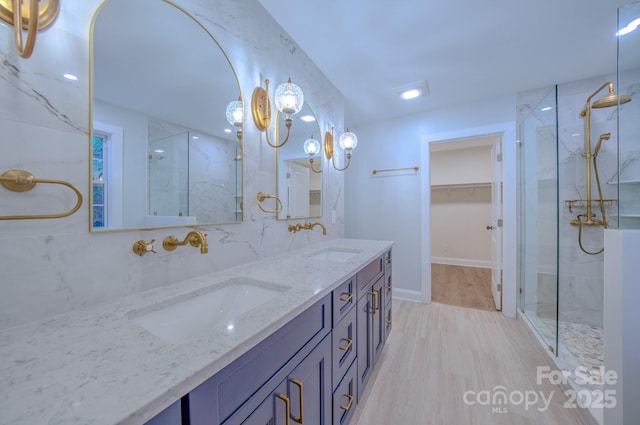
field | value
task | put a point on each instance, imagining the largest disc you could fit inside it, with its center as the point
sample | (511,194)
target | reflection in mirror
(299,170)
(163,153)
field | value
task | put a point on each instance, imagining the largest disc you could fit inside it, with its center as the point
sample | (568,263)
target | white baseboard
(462,262)
(409,295)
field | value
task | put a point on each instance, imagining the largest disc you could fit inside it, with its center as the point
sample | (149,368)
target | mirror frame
(239,156)
(319,160)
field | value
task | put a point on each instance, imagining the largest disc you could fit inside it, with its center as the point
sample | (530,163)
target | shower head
(611,99)
(604,136)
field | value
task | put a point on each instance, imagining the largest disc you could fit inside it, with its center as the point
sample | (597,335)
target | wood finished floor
(462,286)
(435,353)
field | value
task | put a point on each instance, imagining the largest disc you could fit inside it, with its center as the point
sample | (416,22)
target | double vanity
(288,339)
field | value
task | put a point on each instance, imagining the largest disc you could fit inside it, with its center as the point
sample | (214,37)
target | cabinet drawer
(344,397)
(388,320)
(344,345)
(220,396)
(344,298)
(369,274)
(388,286)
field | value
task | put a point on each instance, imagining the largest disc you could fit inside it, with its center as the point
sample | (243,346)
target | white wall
(460,215)
(391,206)
(53,266)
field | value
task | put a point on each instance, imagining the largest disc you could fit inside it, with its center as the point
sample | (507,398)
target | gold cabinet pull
(298,384)
(346,347)
(389,320)
(346,297)
(378,298)
(286,406)
(348,405)
(388,259)
(388,286)
(374,294)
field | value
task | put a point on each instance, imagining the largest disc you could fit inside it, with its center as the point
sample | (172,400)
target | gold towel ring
(262,196)
(40,14)
(23,181)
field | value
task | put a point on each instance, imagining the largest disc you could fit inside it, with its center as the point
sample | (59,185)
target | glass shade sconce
(288,99)
(347,141)
(235,117)
(38,15)
(313,149)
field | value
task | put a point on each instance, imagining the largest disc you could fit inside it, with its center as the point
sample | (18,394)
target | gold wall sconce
(348,142)
(288,99)
(313,149)
(235,117)
(36,17)
(261,197)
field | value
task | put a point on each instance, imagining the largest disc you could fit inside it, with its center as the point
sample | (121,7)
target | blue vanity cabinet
(304,395)
(371,324)
(344,396)
(232,394)
(388,288)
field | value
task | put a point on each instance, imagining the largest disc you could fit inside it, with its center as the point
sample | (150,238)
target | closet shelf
(460,185)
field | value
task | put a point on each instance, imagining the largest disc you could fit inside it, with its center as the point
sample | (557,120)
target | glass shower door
(538,214)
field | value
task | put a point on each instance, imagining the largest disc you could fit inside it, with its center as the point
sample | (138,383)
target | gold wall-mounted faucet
(194,238)
(142,247)
(307,226)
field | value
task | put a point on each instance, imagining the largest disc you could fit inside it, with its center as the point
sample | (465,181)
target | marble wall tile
(53,266)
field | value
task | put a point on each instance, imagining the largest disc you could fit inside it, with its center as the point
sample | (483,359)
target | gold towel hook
(23,181)
(262,196)
(39,15)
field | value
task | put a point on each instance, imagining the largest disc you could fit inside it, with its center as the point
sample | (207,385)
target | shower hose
(601,202)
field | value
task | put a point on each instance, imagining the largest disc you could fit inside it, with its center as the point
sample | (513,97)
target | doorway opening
(466,221)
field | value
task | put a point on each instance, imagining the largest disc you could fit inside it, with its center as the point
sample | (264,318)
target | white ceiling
(467,50)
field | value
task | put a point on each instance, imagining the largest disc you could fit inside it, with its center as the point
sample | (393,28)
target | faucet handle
(142,247)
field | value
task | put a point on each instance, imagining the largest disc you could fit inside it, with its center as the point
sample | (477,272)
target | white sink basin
(183,318)
(334,254)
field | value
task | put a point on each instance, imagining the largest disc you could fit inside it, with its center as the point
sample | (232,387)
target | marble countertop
(96,366)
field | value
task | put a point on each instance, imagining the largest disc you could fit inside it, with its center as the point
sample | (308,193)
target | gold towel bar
(414,168)
(262,196)
(23,181)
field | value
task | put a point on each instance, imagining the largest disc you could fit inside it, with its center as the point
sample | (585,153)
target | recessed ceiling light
(547,108)
(159,151)
(630,27)
(227,130)
(413,90)
(411,94)
(70,77)
(195,137)
(308,118)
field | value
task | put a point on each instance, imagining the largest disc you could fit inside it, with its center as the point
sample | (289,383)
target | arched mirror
(299,167)
(162,150)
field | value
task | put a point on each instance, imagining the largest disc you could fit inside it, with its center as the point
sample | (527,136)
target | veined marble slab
(95,366)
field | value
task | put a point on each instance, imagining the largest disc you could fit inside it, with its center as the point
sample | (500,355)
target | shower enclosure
(579,173)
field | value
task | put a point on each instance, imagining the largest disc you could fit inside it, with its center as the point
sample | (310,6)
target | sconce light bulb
(348,141)
(289,98)
(235,113)
(312,147)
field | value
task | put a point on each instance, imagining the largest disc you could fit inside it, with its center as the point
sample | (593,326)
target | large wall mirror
(299,170)
(162,151)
